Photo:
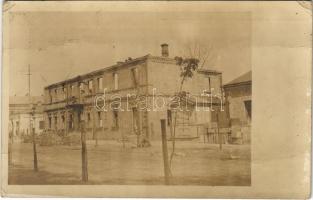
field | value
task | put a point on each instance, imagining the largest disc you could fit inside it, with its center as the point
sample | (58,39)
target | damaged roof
(124,64)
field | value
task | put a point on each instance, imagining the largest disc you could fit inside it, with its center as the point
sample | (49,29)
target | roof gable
(247,77)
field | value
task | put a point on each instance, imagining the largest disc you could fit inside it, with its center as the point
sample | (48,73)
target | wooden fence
(212,136)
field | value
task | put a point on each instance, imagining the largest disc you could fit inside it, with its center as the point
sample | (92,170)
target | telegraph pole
(29,100)
(31,129)
(167,170)
(29,97)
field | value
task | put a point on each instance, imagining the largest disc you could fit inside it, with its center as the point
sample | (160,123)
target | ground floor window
(63,121)
(88,119)
(50,122)
(169,117)
(135,120)
(81,115)
(248,108)
(56,122)
(71,122)
(41,125)
(115,119)
(17,128)
(100,119)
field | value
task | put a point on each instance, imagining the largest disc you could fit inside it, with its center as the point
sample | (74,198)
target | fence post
(34,150)
(218,132)
(165,154)
(83,149)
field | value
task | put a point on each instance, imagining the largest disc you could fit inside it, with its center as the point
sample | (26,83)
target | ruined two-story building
(131,97)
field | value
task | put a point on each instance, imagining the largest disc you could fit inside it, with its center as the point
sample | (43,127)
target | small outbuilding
(238,93)
(24,110)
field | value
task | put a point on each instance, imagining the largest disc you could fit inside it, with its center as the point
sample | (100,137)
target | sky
(63,44)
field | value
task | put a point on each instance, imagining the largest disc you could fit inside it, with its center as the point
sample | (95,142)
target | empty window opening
(115,76)
(100,84)
(115,119)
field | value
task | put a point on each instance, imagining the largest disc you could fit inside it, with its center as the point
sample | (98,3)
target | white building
(23,111)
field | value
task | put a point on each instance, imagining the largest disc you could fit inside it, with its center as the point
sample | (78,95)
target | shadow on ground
(110,164)
(19,175)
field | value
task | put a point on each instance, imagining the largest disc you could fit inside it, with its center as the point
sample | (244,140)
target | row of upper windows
(55,95)
(61,93)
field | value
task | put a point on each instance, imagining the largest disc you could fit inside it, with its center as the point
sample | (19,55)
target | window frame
(100,83)
(115,119)
(90,86)
(115,81)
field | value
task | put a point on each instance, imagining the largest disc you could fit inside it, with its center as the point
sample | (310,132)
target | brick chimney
(164,48)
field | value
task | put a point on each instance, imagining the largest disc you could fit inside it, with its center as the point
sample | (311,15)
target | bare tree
(83,149)
(32,131)
(195,57)
(79,109)
(205,54)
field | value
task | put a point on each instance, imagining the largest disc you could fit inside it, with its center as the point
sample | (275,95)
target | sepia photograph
(102,96)
(120,96)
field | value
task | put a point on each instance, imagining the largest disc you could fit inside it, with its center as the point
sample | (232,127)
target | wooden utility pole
(79,109)
(84,148)
(35,150)
(94,131)
(139,114)
(165,154)
(218,131)
(31,131)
